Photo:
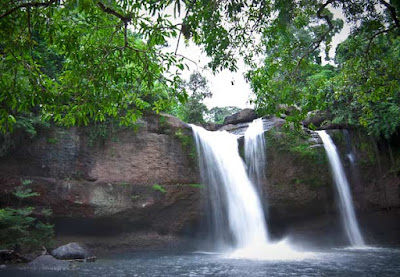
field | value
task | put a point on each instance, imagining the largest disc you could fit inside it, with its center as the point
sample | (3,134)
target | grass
(159,188)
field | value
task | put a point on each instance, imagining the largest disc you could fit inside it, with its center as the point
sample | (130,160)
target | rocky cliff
(141,181)
(140,188)
(302,198)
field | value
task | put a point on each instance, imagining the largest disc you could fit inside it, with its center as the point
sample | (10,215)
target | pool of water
(332,262)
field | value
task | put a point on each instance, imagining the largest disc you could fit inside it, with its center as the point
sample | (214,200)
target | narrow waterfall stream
(255,153)
(342,185)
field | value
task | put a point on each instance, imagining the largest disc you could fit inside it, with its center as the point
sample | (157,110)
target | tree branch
(108,10)
(317,43)
(392,11)
(377,34)
(183,26)
(28,5)
(125,19)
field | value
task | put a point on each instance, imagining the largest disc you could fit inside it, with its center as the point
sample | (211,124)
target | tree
(114,70)
(194,110)
(218,114)
(362,89)
(20,226)
(367,86)
(119,68)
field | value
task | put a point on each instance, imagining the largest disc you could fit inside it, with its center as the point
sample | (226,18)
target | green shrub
(297,142)
(20,227)
(51,140)
(188,144)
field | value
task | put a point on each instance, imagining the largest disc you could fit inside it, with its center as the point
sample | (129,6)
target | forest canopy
(73,62)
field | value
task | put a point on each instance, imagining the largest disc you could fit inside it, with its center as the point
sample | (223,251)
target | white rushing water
(234,203)
(255,153)
(342,185)
(234,197)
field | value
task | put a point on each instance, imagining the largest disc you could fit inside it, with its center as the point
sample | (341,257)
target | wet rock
(240,128)
(245,115)
(70,251)
(48,262)
(211,126)
(11,257)
(316,118)
(288,110)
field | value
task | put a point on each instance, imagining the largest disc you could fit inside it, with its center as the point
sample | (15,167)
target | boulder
(71,250)
(316,118)
(245,115)
(48,262)
(240,128)
(211,126)
(288,110)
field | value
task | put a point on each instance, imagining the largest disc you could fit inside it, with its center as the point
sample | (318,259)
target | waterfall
(342,185)
(235,206)
(255,153)
(349,148)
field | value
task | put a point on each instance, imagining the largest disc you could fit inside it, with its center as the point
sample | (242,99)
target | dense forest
(82,61)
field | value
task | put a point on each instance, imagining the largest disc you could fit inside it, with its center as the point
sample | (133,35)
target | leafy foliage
(296,141)
(361,89)
(159,188)
(194,110)
(367,86)
(20,227)
(218,114)
(56,70)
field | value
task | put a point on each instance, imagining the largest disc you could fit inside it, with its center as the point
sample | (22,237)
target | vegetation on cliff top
(296,141)
(54,69)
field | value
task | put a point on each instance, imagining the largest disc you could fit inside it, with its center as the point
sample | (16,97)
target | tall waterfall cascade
(255,153)
(234,199)
(346,203)
(234,204)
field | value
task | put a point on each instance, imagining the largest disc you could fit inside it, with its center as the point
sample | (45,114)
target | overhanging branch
(392,12)
(28,5)
(376,35)
(318,42)
(104,8)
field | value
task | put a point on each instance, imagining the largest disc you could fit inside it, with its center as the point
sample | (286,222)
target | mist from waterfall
(255,153)
(343,188)
(233,199)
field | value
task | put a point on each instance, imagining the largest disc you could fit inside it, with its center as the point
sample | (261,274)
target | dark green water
(335,262)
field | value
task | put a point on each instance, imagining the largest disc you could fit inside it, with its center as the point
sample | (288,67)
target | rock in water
(71,250)
(47,262)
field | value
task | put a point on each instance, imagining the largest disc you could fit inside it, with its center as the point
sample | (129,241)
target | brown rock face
(136,188)
(132,181)
(302,199)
